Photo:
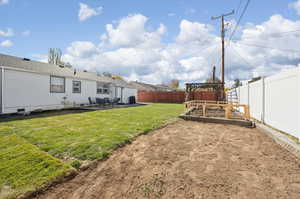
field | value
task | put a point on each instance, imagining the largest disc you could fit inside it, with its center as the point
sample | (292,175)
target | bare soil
(191,160)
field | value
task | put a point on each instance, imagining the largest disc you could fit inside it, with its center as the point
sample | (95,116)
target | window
(57,84)
(76,86)
(102,88)
(105,89)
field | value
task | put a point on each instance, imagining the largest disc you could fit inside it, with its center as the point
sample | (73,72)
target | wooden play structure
(216,109)
(218,112)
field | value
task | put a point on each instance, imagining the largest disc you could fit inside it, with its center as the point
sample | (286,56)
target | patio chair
(90,101)
(115,101)
(100,101)
(107,101)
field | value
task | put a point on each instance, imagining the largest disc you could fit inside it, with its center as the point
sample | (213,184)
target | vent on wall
(21,110)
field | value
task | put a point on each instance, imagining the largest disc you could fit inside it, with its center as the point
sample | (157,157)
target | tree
(54,57)
(107,74)
(237,83)
(254,79)
(174,83)
(117,77)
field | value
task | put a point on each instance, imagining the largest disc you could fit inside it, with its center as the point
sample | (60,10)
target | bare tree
(54,57)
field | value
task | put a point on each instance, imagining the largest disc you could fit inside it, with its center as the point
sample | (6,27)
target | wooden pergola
(218,88)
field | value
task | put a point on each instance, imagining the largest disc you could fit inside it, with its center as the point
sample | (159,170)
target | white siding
(127,92)
(32,91)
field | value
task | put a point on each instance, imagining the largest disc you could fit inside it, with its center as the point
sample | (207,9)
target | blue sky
(38,25)
(55,23)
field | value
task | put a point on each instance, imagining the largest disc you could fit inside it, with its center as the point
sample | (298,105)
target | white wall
(127,92)
(275,100)
(32,91)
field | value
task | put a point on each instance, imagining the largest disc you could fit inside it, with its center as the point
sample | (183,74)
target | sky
(155,41)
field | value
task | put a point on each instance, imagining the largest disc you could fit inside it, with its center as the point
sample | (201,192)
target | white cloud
(129,49)
(4,2)
(6,43)
(8,33)
(296,6)
(130,32)
(86,12)
(194,32)
(26,33)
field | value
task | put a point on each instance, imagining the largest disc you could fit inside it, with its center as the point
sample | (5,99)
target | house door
(1,90)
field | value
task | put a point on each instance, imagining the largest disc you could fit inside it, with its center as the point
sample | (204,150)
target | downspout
(122,94)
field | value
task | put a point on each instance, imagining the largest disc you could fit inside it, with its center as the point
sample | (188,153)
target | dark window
(76,86)
(57,84)
(102,88)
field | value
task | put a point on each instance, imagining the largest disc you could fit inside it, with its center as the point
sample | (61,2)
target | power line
(268,47)
(241,56)
(276,35)
(239,6)
(239,20)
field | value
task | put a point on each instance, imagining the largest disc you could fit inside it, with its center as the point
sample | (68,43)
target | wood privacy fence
(173,96)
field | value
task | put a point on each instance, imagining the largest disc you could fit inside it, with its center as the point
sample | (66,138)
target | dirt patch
(191,160)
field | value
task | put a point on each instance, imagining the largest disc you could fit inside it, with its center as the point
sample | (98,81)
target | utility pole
(223,43)
(214,74)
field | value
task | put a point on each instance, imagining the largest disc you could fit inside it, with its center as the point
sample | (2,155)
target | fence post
(263,100)
(248,96)
(298,96)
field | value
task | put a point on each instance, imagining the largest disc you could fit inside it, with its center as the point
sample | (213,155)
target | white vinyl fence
(275,100)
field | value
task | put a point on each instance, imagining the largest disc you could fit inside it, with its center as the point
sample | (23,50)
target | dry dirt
(191,160)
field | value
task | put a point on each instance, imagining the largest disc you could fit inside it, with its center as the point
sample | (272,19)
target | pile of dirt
(191,160)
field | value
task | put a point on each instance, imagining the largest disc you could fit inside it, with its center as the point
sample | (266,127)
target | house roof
(45,68)
(122,83)
(150,87)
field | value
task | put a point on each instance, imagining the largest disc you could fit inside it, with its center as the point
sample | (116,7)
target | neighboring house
(27,85)
(150,87)
(123,90)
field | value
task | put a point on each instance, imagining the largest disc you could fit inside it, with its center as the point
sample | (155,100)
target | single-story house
(27,86)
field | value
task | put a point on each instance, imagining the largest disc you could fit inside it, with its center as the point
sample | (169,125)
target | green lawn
(24,167)
(81,136)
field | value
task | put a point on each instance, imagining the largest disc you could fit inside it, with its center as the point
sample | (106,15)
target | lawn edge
(92,165)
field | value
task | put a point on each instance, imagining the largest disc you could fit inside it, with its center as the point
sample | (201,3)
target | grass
(90,135)
(24,167)
(30,149)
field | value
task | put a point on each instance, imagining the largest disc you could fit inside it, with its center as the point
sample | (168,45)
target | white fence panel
(256,99)
(243,94)
(275,100)
(282,103)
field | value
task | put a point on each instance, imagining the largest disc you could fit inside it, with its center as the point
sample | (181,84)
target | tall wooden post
(223,49)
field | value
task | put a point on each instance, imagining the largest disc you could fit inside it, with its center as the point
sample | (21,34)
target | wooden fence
(173,96)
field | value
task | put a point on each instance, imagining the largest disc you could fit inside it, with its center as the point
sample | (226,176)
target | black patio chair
(100,101)
(91,101)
